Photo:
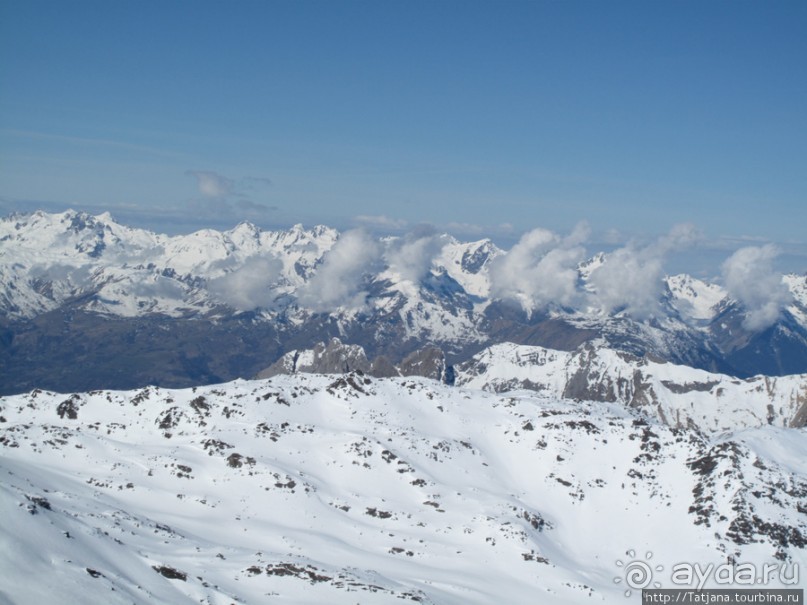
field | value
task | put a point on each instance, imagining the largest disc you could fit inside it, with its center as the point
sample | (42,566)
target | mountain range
(130,307)
(675,395)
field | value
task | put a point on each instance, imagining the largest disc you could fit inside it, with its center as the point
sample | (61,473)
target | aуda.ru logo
(637,573)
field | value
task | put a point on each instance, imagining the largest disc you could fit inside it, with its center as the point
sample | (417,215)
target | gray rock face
(331,358)
(588,382)
(335,357)
(429,362)
(382,367)
(800,417)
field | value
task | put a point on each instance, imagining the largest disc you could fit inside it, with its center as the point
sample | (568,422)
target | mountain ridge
(69,276)
(675,395)
(337,488)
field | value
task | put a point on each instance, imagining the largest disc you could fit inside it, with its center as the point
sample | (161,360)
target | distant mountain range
(86,303)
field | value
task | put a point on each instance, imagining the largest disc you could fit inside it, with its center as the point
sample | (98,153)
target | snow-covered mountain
(86,290)
(104,267)
(347,488)
(696,299)
(675,395)
(678,396)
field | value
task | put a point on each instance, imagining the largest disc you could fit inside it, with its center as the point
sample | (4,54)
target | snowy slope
(468,263)
(797,284)
(676,395)
(695,298)
(345,489)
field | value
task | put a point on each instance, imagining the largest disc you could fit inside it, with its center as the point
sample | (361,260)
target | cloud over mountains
(750,279)
(542,271)
(392,295)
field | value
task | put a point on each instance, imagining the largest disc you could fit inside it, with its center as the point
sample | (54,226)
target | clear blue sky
(631,115)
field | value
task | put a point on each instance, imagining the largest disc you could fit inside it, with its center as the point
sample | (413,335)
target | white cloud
(631,277)
(751,280)
(579,235)
(225,201)
(541,269)
(158,287)
(613,237)
(412,256)
(679,237)
(76,277)
(211,184)
(338,280)
(250,285)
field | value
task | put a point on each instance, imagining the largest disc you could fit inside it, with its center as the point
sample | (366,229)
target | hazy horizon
(474,117)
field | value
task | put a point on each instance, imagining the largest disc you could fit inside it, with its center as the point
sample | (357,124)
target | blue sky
(479,117)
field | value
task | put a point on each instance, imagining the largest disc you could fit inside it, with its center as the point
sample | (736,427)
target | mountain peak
(299,286)
(105,217)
